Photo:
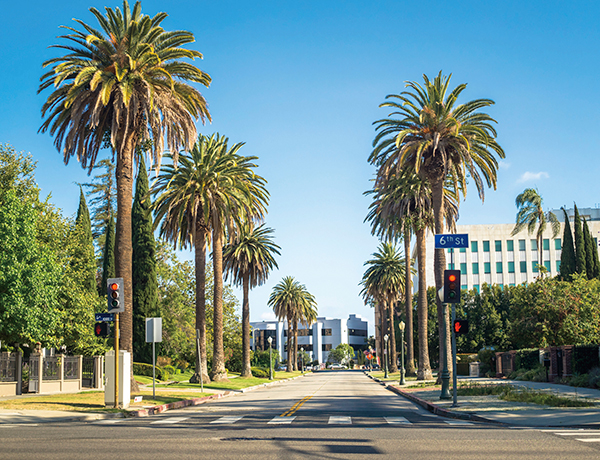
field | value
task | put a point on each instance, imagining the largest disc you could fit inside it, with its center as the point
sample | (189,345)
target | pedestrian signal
(461,327)
(102,329)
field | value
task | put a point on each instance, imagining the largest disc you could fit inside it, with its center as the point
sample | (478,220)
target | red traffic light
(452,278)
(114,286)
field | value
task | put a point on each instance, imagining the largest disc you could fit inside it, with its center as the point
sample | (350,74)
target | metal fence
(8,367)
(71,368)
(51,369)
(87,372)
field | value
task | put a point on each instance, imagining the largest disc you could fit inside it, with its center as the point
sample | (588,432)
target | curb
(197,401)
(434,409)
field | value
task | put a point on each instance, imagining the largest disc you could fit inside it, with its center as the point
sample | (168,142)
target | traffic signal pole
(454,377)
(116,360)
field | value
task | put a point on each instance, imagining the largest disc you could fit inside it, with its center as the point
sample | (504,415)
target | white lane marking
(228,419)
(563,431)
(581,433)
(109,421)
(340,420)
(453,422)
(396,420)
(589,440)
(169,420)
(16,425)
(281,420)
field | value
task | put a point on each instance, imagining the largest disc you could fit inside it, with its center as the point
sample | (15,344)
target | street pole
(445,394)
(270,340)
(116,360)
(302,360)
(402,371)
(153,370)
(385,352)
(199,360)
(454,376)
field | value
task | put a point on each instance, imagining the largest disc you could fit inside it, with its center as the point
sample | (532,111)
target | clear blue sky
(300,83)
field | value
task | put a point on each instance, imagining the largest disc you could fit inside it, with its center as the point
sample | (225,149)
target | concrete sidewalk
(494,410)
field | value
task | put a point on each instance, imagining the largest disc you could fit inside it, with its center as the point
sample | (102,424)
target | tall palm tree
(124,83)
(531,215)
(305,313)
(384,280)
(440,140)
(210,190)
(249,259)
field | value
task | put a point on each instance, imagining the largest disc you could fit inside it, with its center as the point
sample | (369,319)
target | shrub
(146,370)
(527,358)
(532,375)
(260,372)
(487,357)
(594,378)
(585,357)
(170,369)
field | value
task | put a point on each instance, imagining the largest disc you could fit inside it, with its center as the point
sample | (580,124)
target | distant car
(337,366)
(283,368)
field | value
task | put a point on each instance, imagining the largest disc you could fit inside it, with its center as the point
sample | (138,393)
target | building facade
(494,256)
(317,340)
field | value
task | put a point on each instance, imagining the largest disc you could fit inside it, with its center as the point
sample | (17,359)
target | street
(327,415)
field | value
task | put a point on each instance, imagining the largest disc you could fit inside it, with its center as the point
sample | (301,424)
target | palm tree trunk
(200,261)
(378,331)
(392,340)
(123,245)
(424,368)
(289,367)
(439,265)
(295,344)
(246,370)
(218,371)
(408,333)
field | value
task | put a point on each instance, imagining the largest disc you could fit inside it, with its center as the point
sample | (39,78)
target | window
(557,244)
(523,266)
(357,332)
(473,246)
(534,245)
(463,249)
(510,246)
(463,268)
(498,244)
(521,245)
(475,267)
(450,250)
(304,332)
(476,287)
(450,266)
(486,246)
(511,267)
(326,332)
(546,245)
(487,268)
(326,347)
(558,266)
(498,267)
(534,267)
(501,286)
(547,265)
(464,287)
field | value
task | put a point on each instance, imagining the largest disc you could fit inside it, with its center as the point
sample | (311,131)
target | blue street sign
(105,317)
(451,241)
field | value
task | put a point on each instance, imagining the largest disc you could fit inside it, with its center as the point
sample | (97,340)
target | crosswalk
(581,435)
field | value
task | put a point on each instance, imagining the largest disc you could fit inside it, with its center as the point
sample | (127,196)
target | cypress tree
(589,247)
(580,264)
(145,284)
(596,259)
(108,256)
(83,260)
(567,255)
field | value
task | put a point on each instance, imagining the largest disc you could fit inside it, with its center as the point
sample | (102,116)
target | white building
(494,256)
(323,336)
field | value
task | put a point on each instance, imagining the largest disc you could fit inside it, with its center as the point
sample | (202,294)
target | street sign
(105,317)
(451,241)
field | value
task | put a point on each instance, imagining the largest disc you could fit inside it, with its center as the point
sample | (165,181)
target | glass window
(476,287)
(325,331)
(325,347)
(464,287)
(487,268)
(486,246)
(451,266)
(521,245)
(557,244)
(534,267)
(558,266)
(501,286)
(463,249)
(511,267)
(523,267)
(510,245)
(547,265)
(533,245)
(450,250)
(546,245)
(498,267)
(498,244)
(475,267)
(473,246)
(463,268)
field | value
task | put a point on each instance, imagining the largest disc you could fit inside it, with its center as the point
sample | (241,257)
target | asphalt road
(330,415)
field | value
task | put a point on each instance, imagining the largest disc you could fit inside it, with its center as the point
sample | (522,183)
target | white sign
(153,330)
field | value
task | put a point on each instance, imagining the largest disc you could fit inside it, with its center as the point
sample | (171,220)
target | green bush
(487,356)
(260,372)
(532,375)
(146,370)
(170,369)
(585,357)
(527,358)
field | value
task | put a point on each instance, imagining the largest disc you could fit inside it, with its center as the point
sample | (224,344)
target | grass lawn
(395,376)
(238,383)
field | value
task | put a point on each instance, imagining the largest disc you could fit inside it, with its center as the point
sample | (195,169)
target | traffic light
(116,301)
(102,329)
(461,327)
(451,286)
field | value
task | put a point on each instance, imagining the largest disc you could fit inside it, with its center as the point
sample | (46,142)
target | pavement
(493,410)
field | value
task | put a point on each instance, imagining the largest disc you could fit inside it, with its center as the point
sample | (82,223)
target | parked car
(337,366)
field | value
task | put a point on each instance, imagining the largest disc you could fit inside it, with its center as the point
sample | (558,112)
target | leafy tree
(567,255)
(343,353)
(125,81)
(108,257)
(83,259)
(580,263)
(249,259)
(145,285)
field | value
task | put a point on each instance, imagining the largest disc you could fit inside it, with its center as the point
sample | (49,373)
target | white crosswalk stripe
(340,420)
(109,421)
(16,425)
(397,420)
(281,420)
(229,419)
(587,436)
(457,422)
(170,420)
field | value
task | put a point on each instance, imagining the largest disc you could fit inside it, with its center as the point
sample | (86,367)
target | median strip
(295,407)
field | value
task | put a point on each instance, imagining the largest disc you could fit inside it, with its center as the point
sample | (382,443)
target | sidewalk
(493,410)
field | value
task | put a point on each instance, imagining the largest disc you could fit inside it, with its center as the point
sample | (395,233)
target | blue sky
(301,82)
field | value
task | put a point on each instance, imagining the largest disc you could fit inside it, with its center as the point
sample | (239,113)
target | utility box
(124,378)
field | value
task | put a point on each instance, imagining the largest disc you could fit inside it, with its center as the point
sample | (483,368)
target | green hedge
(527,358)
(146,370)
(585,358)
(260,372)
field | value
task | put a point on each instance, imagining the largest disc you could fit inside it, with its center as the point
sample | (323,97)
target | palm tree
(249,259)
(440,140)
(531,215)
(211,189)
(291,301)
(384,280)
(123,84)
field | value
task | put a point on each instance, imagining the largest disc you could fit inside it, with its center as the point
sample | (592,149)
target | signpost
(153,334)
(452,241)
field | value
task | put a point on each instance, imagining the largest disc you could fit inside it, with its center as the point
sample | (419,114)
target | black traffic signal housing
(460,327)
(451,286)
(114,292)
(102,329)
